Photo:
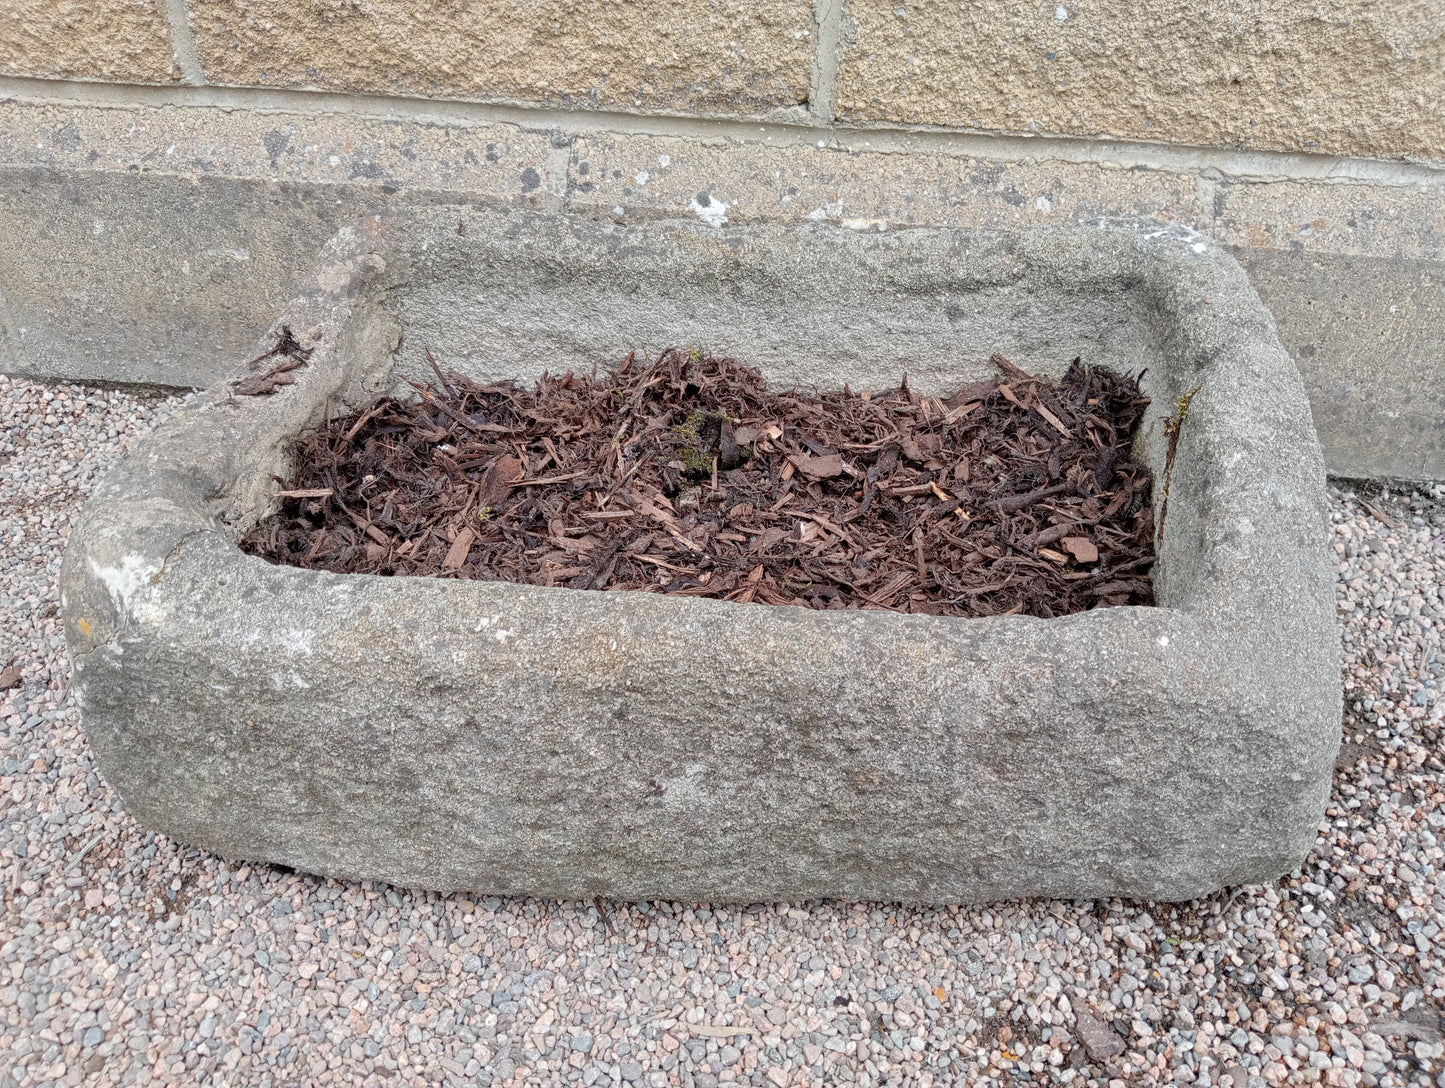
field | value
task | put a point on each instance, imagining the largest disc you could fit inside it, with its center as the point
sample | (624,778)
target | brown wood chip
(1054,421)
(497,480)
(1081,548)
(819,468)
(457,553)
(688,476)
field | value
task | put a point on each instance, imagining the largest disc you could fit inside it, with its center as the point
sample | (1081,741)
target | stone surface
(513,738)
(1353,76)
(146,214)
(169,265)
(1339,326)
(124,40)
(736,58)
(1319,255)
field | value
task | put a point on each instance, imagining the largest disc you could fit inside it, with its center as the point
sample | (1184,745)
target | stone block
(651,55)
(162,268)
(122,40)
(527,740)
(1352,77)
(1355,277)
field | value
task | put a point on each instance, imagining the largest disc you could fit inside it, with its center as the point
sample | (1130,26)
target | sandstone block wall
(1353,77)
(652,55)
(168,167)
(121,40)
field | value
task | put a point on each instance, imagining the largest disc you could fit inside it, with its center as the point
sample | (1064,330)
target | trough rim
(362,263)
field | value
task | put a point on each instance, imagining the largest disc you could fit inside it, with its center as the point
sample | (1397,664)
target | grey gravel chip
(1099,1039)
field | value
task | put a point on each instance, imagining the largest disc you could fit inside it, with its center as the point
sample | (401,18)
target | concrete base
(518,739)
(154,242)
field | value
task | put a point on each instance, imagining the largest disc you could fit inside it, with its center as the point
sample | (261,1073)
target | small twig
(362,422)
(430,358)
(1377,514)
(304,493)
(602,913)
(428,395)
(546,480)
(87,848)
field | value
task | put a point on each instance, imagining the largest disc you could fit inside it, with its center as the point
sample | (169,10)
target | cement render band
(520,739)
(153,243)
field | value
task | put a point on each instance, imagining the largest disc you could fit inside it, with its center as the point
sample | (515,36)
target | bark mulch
(688,477)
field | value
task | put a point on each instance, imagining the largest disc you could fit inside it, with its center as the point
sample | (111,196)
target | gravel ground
(126,958)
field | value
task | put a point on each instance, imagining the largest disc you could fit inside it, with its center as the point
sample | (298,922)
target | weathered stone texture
(1353,76)
(124,40)
(648,55)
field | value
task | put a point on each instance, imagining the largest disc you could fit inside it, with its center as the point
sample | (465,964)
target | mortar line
(9,336)
(558,167)
(827,59)
(1259,165)
(183,42)
(1205,188)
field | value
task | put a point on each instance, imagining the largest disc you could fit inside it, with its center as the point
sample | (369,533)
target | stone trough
(517,739)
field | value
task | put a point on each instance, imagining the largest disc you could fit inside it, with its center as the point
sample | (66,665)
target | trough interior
(490,315)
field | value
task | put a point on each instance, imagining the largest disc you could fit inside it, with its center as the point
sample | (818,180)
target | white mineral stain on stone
(1044,204)
(1163,641)
(128,579)
(1199,247)
(1061,14)
(643,177)
(664,160)
(709,209)
(297,641)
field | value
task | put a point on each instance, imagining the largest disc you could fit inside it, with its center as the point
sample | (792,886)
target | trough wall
(168,168)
